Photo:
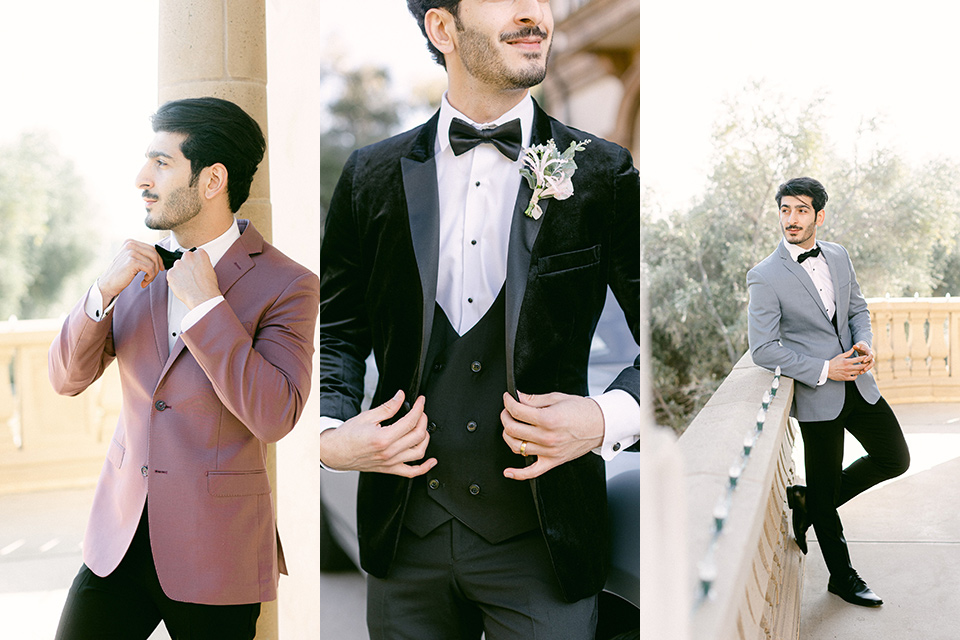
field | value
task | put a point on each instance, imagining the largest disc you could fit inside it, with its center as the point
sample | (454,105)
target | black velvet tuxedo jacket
(379,264)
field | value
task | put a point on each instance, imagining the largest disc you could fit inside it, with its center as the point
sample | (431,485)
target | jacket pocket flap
(548,265)
(237,483)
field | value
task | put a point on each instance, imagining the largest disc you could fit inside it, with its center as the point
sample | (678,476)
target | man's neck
(198,232)
(481,105)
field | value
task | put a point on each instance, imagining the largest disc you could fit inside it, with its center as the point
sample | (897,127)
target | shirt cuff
(196,314)
(325,423)
(94,304)
(823,373)
(621,420)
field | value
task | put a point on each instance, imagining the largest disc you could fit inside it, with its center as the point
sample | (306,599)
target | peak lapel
(523,236)
(158,312)
(419,170)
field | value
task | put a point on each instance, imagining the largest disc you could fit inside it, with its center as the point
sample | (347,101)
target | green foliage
(44,215)
(898,222)
(363,112)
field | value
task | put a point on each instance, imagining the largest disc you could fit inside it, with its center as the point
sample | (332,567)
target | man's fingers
(519,411)
(539,400)
(413,470)
(538,468)
(388,409)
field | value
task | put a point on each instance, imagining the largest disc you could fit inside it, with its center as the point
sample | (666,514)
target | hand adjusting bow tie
(169,257)
(813,253)
(506,138)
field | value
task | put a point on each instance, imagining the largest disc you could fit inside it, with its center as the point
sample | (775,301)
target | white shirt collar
(795,250)
(523,110)
(216,247)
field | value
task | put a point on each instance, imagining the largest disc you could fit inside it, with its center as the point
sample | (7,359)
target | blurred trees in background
(899,222)
(46,227)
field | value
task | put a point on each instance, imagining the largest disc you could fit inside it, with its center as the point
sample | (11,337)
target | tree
(44,214)
(882,209)
(362,113)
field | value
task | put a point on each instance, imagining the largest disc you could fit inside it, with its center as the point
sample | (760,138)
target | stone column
(219,48)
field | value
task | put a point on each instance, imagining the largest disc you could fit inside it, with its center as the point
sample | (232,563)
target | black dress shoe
(797,501)
(854,590)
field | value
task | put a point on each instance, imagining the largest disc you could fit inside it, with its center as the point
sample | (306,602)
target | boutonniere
(549,173)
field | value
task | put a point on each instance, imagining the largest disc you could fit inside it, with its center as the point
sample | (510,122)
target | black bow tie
(813,253)
(169,257)
(506,138)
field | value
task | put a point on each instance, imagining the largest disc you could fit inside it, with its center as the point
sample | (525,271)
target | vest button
(143,471)
(475,366)
(160,405)
(472,426)
(431,427)
(434,484)
(438,366)
(474,489)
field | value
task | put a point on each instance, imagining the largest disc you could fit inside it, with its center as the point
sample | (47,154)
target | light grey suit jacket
(789,328)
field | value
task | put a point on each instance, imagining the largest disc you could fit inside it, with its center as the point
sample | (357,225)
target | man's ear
(821,216)
(213,180)
(441,27)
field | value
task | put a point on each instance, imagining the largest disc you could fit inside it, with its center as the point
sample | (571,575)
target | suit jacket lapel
(523,235)
(158,312)
(793,267)
(419,170)
(834,264)
(231,266)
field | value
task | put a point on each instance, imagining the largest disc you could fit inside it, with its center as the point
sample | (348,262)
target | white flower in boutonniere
(549,173)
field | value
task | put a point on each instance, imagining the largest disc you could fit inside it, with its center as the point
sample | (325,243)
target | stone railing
(917,341)
(737,463)
(48,441)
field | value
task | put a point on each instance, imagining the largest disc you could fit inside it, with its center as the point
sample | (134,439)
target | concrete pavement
(40,536)
(904,539)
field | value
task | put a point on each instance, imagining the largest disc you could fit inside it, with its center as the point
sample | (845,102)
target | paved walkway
(904,538)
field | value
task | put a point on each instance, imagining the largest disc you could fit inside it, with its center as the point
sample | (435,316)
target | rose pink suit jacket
(194,425)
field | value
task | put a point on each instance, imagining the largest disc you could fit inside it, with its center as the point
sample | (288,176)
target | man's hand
(361,444)
(132,258)
(847,366)
(868,358)
(192,278)
(555,427)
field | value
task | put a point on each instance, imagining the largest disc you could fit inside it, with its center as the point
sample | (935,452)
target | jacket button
(160,405)
(431,427)
(474,489)
(475,366)
(438,366)
(434,484)
(143,471)
(472,426)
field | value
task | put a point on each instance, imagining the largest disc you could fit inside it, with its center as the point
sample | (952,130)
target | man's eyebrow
(158,154)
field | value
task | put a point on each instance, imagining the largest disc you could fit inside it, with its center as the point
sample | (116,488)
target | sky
(89,77)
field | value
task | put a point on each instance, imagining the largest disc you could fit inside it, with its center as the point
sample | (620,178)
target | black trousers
(129,604)
(829,485)
(452,584)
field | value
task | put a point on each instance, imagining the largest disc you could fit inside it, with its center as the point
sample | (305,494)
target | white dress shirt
(477,194)
(179,318)
(819,271)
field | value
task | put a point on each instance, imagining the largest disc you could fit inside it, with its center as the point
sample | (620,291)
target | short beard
(483,62)
(182,205)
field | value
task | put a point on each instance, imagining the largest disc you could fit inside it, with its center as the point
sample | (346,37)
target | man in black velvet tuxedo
(482,501)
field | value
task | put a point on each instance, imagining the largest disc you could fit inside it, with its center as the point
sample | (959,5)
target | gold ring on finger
(523,447)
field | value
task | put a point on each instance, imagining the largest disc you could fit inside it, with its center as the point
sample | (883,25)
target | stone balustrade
(916,340)
(746,575)
(48,441)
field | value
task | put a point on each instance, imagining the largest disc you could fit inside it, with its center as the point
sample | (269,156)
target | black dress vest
(465,378)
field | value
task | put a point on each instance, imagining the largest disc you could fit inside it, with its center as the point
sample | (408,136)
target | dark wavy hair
(419,9)
(804,187)
(216,131)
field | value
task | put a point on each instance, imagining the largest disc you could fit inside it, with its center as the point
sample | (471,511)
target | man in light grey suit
(808,317)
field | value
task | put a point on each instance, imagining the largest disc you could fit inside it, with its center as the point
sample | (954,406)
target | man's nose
(529,12)
(143,180)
